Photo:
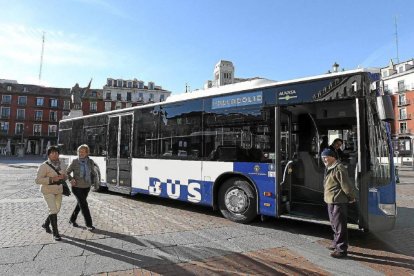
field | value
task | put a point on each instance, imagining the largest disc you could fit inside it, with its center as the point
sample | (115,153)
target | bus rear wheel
(237,200)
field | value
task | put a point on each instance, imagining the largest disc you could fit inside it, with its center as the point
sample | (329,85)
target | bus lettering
(173,188)
(194,192)
(154,187)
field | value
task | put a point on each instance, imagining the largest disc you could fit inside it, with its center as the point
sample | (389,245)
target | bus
(250,149)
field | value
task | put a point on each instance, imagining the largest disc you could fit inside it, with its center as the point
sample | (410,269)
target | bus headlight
(388,209)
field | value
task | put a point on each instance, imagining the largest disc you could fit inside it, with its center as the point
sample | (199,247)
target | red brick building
(398,81)
(30,115)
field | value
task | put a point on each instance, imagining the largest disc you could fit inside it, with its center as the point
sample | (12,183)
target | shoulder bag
(66,190)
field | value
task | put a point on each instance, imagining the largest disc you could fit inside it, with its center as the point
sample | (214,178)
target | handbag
(66,190)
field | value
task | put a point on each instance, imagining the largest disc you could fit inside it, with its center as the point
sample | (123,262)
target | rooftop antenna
(396,39)
(41,56)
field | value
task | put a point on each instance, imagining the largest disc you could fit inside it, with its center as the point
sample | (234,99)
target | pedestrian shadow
(181,259)
(382,260)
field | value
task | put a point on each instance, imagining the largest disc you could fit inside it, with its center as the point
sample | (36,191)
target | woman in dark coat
(81,174)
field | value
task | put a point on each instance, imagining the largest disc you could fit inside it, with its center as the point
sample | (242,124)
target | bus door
(283,159)
(119,154)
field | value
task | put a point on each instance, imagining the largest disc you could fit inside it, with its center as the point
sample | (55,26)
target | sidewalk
(147,236)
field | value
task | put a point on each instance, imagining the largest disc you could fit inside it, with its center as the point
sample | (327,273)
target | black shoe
(47,228)
(46,225)
(339,255)
(90,228)
(73,223)
(53,221)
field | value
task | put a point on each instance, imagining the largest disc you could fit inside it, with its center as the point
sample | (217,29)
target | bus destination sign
(237,100)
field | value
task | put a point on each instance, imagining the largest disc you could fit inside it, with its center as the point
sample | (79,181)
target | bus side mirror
(385,109)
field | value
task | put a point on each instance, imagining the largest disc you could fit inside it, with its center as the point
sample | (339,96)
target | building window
(118,105)
(53,116)
(400,69)
(385,74)
(9,88)
(66,105)
(4,127)
(118,96)
(53,103)
(6,99)
(94,94)
(109,82)
(401,99)
(25,89)
(151,85)
(38,115)
(93,106)
(386,89)
(20,114)
(5,112)
(19,128)
(37,130)
(119,83)
(162,97)
(129,96)
(129,84)
(401,86)
(128,105)
(403,114)
(141,85)
(22,100)
(140,97)
(403,128)
(52,130)
(39,101)
(108,96)
(108,106)
(151,98)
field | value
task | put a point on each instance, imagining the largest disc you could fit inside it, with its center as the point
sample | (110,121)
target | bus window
(146,123)
(238,135)
(180,135)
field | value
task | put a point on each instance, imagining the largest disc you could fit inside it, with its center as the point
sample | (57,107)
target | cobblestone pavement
(150,236)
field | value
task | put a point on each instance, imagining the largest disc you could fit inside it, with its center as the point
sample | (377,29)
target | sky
(178,42)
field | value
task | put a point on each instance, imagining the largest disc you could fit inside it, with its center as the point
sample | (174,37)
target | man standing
(336,147)
(338,193)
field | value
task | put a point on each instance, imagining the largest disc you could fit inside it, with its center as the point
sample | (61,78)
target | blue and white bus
(250,149)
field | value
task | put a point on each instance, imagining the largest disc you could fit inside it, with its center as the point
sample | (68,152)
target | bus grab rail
(284,172)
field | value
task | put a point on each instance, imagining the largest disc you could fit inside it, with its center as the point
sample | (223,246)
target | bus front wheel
(237,200)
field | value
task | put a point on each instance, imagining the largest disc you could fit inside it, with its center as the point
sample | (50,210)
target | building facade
(398,81)
(30,116)
(119,93)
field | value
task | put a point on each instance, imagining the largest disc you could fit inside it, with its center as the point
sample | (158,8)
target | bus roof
(231,88)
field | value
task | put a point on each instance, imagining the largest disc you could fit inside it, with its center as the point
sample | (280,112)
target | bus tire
(237,200)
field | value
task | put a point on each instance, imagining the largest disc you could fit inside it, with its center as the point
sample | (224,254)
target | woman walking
(83,172)
(49,180)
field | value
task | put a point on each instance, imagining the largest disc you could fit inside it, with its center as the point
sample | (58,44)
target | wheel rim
(236,201)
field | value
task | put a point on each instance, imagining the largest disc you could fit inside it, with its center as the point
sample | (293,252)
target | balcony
(37,133)
(403,103)
(38,119)
(404,117)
